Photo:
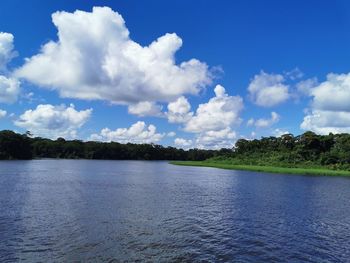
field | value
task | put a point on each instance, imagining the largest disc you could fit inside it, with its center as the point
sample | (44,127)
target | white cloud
(250,122)
(264,123)
(324,122)
(333,94)
(53,121)
(330,107)
(212,122)
(224,138)
(94,58)
(7,52)
(3,114)
(145,108)
(9,89)
(305,87)
(136,133)
(268,90)
(171,134)
(218,113)
(280,132)
(294,74)
(183,143)
(179,111)
(253,135)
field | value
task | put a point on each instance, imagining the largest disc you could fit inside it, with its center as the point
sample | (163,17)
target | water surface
(129,211)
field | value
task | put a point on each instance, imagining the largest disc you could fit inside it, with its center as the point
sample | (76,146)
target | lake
(129,211)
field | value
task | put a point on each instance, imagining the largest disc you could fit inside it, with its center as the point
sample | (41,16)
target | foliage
(303,151)
(16,146)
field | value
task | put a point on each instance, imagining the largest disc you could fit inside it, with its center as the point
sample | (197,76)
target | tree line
(308,149)
(22,146)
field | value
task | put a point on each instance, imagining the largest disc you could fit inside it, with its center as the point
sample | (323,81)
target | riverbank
(267,169)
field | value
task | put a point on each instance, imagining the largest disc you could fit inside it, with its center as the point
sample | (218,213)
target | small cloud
(183,143)
(145,108)
(3,114)
(171,134)
(139,133)
(294,74)
(250,122)
(7,52)
(9,89)
(264,123)
(330,107)
(305,87)
(280,132)
(268,90)
(179,111)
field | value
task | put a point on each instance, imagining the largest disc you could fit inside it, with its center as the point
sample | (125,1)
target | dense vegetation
(304,151)
(22,146)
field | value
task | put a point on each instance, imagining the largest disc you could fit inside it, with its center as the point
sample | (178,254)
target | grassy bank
(267,169)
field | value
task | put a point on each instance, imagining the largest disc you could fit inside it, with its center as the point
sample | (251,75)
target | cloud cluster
(139,132)
(218,113)
(53,121)
(212,121)
(95,58)
(264,123)
(224,138)
(3,114)
(183,143)
(9,87)
(324,122)
(268,90)
(330,107)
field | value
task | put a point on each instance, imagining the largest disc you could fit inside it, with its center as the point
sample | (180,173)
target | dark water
(129,211)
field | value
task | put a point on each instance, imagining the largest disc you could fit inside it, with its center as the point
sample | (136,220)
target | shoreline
(266,169)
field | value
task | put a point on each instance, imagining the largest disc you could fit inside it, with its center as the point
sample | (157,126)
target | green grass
(267,169)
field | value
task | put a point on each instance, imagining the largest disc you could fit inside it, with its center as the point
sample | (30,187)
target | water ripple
(129,211)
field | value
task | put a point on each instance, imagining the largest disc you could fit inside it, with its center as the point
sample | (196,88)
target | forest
(21,146)
(305,150)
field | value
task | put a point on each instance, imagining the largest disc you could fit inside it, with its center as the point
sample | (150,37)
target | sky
(178,73)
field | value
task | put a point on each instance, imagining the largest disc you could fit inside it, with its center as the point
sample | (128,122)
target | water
(129,211)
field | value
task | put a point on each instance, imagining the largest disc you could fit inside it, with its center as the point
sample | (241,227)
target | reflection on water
(84,210)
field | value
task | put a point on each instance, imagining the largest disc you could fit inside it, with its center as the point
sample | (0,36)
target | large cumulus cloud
(95,58)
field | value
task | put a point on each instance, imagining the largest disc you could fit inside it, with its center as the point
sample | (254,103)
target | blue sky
(272,60)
